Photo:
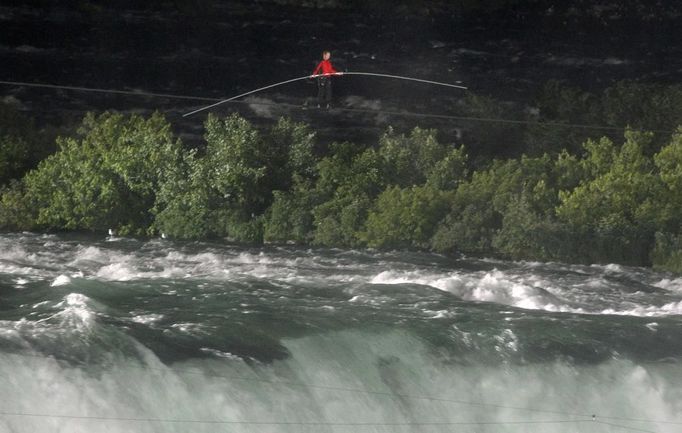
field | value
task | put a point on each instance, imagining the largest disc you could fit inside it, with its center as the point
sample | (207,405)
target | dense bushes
(611,200)
(107,177)
(226,191)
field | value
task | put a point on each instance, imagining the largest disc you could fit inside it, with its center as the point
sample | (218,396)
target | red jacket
(324,67)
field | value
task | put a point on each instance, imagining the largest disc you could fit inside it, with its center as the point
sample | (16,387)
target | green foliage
(667,252)
(479,205)
(600,203)
(618,205)
(527,234)
(623,184)
(405,217)
(295,142)
(339,221)
(447,173)
(290,218)
(568,170)
(226,192)
(105,179)
(351,180)
(236,164)
(408,160)
(346,187)
(181,209)
(669,163)
(16,211)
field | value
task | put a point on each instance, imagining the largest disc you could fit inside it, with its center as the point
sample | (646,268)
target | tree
(479,205)
(226,192)
(290,218)
(346,189)
(617,206)
(669,164)
(106,178)
(405,217)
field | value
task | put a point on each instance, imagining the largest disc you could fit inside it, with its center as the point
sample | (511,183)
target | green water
(109,335)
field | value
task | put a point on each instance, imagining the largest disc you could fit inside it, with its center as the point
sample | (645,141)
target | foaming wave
(669,309)
(16,260)
(61,280)
(76,312)
(673,285)
(493,286)
(147,319)
(128,271)
(583,294)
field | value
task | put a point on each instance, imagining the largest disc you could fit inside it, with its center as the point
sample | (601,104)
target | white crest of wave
(669,309)
(61,280)
(16,260)
(75,313)
(494,286)
(147,319)
(674,285)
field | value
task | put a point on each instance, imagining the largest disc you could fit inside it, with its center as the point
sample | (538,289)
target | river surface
(121,335)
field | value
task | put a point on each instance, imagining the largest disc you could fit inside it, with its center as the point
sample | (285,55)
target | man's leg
(328,94)
(321,90)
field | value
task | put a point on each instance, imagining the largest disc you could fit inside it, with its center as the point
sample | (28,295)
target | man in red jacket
(324,71)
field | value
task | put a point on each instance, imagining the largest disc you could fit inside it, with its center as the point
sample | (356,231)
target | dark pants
(324,90)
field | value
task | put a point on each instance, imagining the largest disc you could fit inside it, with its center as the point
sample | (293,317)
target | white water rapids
(153,336)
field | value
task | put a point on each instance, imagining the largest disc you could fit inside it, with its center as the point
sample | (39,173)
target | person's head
(326,55)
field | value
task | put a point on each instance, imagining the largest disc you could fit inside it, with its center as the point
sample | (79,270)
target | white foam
(76,312)
(116,272)
(221,354)
(440,314)
(674,285)
(147,319)
(61,280)
(507,342)
(41,304)
(189,328)
(93,256)
(494,286)
(529,285)
(671,308)
(14,259)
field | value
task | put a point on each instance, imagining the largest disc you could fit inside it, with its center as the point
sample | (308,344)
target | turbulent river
(121,335)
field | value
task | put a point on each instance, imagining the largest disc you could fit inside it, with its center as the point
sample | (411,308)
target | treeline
(604,200)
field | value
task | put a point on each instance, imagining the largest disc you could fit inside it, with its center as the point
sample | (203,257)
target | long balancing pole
(372,74)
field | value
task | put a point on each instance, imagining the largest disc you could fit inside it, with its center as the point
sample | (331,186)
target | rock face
(506,49)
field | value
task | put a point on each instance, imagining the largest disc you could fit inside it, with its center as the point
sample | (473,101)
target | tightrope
(112,91)
(372,74)
(232,100)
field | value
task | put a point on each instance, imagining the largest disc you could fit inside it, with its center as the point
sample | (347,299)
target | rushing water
(122,335)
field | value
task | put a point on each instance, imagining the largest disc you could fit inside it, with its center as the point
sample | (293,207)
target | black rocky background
(502,49)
